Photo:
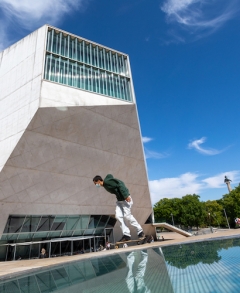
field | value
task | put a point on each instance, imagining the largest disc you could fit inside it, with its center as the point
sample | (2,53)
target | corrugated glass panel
(73,72)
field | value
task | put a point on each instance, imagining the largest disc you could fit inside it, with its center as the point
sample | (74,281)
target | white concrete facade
(55,138)
(21,67)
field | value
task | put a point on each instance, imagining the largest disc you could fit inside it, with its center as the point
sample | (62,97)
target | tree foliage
(231,203)
(190,211)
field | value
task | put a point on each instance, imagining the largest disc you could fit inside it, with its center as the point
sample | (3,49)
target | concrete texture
(51,168)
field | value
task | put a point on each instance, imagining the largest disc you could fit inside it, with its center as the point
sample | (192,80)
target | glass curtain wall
(80,64)
(38,228)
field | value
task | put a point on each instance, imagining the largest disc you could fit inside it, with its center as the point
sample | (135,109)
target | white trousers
(135,278)
(123,215)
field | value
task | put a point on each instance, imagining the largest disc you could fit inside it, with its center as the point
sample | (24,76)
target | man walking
(123,204)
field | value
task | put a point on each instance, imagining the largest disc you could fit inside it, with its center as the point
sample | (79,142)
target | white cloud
(217,181)
(188,183)
(174,187)
(146,139)
(29,15)
(154,155)
(206,151)
(200,15)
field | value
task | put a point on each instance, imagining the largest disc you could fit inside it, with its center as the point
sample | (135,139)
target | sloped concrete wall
(50,170)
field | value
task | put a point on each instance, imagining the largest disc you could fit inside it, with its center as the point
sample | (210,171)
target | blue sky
(185,64)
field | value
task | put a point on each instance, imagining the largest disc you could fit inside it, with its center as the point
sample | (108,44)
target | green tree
(231,203)
(165,207)
(182,256)
(214,213)
(191,210)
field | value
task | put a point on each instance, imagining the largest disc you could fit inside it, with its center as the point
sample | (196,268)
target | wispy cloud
(29,15)
(154,155)
(146,139)
(188,183)
(200,17)
(206,151)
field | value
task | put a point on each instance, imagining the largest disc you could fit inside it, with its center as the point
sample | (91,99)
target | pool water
(206,267)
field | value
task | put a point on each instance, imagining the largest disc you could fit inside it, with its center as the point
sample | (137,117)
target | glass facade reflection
(131,272)
(81,64)
(199,267)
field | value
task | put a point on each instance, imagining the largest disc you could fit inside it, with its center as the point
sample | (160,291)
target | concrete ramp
(172,228)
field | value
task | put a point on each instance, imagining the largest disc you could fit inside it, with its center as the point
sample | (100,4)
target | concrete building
(67,113)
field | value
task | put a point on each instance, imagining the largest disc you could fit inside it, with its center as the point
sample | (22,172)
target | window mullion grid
(105,83)
(129,90)
(50,67)
(83,54)
(126,66)
(49,41)
(52,224)
(123,67)
(67,72)
(91,79)
(76,225)
(68,41)
(37,226)
(87,225)
(104,58)
(125,88)
(117,65)
(97,54)
(75,65)
(113,85)
(55,70)
(52,37)
(66,227)
(60,45)
(98,81)
(119,87)
(90,54)
(76,49)
(110,60)
(23,224)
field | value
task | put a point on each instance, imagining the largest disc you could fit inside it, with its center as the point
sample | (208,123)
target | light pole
(172,219)
(226,218)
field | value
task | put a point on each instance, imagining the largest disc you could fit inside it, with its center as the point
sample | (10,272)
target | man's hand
(128,199)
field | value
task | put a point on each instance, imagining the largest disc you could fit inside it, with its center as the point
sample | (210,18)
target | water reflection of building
(67,113)
(137,271)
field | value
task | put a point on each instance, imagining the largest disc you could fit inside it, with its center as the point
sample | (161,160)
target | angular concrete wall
(55,138)
(21,67)
(50,170)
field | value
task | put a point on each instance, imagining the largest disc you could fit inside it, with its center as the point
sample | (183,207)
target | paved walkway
(12,268)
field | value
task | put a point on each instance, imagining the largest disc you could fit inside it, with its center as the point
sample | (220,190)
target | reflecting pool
(206,267)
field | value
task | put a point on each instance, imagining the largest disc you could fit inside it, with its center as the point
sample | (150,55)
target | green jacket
(115,186)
